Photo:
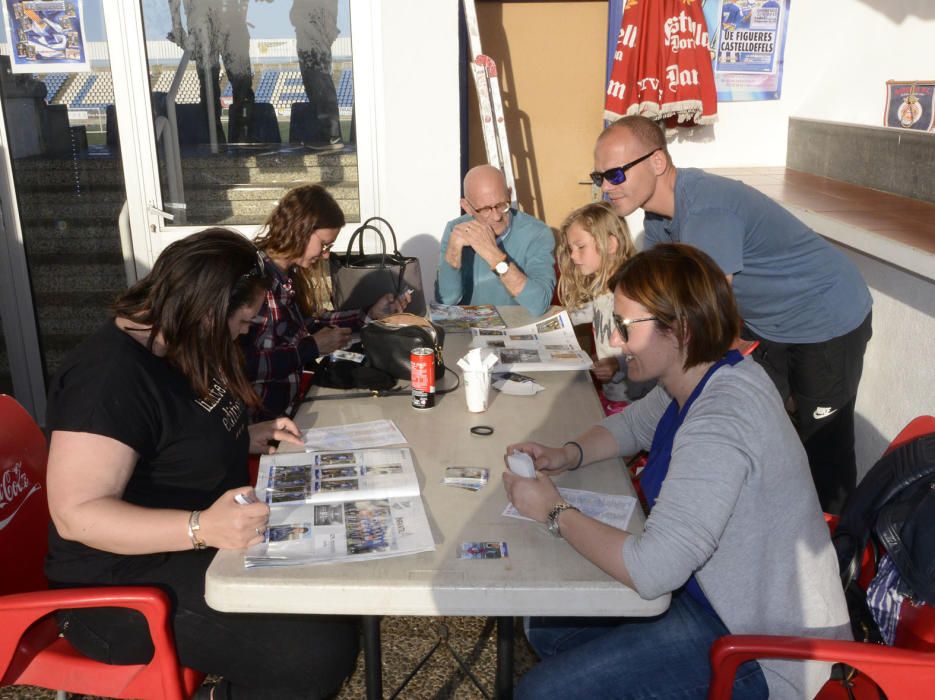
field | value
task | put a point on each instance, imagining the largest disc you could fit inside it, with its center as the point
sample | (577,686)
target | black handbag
(359,279)
(388,342)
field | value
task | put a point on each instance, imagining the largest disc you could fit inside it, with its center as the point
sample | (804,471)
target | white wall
(419,126)
(831,73)
(839,55)
(899,373)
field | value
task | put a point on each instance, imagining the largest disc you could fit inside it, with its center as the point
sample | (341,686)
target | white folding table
(541,576)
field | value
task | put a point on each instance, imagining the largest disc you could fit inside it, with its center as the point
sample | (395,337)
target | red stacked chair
(901,671)
(31,650)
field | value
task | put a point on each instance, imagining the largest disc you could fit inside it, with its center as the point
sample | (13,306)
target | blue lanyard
(660,454)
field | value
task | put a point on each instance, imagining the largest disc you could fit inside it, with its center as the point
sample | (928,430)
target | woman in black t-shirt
(149,446)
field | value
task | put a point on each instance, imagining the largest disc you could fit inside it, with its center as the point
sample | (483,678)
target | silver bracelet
(580,454)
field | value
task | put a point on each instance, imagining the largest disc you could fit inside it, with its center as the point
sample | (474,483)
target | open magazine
(461,319)
(340,506)
(546,345)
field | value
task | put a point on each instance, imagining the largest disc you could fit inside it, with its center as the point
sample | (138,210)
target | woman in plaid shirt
(293,328)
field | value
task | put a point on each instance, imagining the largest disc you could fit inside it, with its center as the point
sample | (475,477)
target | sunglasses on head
(617,176)
(257,268)
(623,325)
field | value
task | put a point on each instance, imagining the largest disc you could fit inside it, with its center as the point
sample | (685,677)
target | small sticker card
(483,550)
(472,478)
(347,355)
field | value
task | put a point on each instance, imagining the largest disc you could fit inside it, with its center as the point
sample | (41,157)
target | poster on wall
(910,105)
(46,36)
(747,39)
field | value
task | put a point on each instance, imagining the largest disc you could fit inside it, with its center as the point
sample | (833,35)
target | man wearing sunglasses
(495,254)
(800,296)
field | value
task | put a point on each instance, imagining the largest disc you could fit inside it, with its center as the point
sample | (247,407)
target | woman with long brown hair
(148,452)
(293,327)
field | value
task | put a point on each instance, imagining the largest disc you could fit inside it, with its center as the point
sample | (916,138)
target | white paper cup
(476,390)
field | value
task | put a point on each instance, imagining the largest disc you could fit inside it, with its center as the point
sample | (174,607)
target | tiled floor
(405,641)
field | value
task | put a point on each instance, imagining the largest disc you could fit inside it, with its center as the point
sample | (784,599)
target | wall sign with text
(748,40)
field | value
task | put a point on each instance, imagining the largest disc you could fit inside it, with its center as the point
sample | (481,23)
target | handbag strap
(354,236)
(383,392)
(389,227)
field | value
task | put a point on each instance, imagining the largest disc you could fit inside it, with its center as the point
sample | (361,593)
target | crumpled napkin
(478,360)
(517,385)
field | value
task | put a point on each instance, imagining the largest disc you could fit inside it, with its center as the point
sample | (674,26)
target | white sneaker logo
(823,412)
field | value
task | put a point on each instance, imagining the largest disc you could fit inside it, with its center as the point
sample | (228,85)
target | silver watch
(501,268)
(552,520)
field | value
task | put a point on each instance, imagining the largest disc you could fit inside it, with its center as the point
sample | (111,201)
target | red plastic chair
(901,671)
(31,650)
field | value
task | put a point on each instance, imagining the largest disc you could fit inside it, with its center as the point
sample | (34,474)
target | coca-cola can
(423,377)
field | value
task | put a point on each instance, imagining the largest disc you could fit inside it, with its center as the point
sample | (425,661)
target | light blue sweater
(527,242)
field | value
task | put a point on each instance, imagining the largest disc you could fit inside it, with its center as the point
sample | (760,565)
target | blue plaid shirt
(279,343)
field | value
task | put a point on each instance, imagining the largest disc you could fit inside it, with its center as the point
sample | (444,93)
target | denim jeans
(660,657)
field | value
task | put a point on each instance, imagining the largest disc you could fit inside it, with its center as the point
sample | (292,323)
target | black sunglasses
(257,268)
(623,325)
(617,176)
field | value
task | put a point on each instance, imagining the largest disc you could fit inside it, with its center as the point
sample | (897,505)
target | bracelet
(580,454)
(193,527)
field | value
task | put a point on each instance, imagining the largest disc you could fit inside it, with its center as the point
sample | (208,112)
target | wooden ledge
(895,229)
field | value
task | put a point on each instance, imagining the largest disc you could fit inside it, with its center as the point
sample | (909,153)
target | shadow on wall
(870,442)
(427,248)
(519,128)
(899,10)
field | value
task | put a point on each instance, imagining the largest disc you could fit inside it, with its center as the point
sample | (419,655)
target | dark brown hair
(299,213)
(195,286)
(688,293)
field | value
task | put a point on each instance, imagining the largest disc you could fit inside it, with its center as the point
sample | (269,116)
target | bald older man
(801,297)
(495,254)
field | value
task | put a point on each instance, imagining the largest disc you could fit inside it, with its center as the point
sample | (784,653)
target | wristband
(580,454)
(193,527)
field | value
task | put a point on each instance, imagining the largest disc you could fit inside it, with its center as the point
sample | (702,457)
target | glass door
(62,186)
(249,98)
(229,102)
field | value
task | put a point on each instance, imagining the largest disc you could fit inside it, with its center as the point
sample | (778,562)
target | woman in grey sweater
(734,530)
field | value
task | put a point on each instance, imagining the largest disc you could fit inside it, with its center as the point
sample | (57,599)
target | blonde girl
(593,243)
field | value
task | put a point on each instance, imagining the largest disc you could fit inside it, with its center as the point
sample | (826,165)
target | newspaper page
(340,506)
(544,346)
(461,319)
(611,509)
(353,436)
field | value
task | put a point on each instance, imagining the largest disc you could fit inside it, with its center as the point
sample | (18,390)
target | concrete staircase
(243,184)
(69,210)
